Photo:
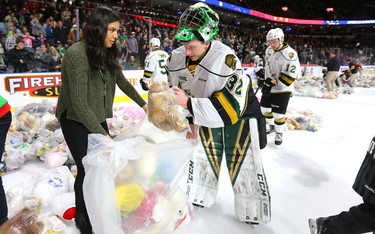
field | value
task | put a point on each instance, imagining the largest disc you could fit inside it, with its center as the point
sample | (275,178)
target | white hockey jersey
(218,89)
(155,66)
(283,66)
(258,64)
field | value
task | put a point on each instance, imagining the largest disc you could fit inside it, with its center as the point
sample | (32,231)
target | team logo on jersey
(230,61)
(291,55)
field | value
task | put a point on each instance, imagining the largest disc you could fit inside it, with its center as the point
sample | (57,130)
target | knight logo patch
(291,55)
(230,61)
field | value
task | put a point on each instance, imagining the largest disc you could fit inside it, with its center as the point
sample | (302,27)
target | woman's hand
(181,97)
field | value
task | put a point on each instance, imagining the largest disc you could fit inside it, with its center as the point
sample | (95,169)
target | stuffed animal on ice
(163,109)
(28,123)
(64,206)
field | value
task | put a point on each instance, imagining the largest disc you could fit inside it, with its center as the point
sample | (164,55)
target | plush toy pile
(302,120)
(48,198)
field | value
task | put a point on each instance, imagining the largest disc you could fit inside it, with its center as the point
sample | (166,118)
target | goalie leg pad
(202,184)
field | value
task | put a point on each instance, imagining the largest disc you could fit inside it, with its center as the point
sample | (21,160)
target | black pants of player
(359,219)
(5,122)
(76,137)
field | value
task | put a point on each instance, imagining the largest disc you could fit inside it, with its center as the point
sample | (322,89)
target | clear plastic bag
(23,222)
(131,184)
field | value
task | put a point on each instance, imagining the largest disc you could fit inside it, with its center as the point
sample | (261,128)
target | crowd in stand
(36,34)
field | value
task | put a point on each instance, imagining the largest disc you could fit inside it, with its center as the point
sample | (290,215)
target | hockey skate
(271,129)
(278,138)
(316,226)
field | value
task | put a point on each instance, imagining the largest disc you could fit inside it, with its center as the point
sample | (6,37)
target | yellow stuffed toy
(163,109)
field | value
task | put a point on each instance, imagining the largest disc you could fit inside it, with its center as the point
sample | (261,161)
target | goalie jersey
(220,94)
(283,66)
(155,66)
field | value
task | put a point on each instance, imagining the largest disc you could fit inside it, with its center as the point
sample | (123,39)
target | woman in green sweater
(90,73)
(5,121)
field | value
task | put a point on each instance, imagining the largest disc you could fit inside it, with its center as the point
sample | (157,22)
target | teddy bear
(163,109)
(24,222)
(28,123)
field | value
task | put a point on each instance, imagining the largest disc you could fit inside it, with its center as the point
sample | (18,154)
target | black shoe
(278,138)
(316,226)
(271,129)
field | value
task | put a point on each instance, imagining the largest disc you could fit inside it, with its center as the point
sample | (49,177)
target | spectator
(2,59)
(132,45)
(44,60)
(10,40)
(60,33)
(19,57)
(56,60)
(28,41)
(73,35)
(60,48)
(131,63)
(36,27)
(169,47)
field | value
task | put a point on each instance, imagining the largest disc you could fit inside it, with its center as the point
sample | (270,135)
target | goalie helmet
(198,22)
(275,33)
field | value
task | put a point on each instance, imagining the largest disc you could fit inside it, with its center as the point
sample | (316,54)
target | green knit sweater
(83,94)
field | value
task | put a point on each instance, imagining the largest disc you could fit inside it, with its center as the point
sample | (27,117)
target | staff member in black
(360,218)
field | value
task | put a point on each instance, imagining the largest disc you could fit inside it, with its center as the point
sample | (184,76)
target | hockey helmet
(154,42)
(256,57)
(275,33)
(198,22)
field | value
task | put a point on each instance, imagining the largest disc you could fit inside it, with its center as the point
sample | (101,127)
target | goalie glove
(144,85)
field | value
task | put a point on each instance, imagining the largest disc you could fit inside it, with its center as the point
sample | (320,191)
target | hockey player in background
(225,117)
(155,64)
(281,69)
(258,66)
(360,218)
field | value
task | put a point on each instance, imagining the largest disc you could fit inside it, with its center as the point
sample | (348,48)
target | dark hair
(94,34)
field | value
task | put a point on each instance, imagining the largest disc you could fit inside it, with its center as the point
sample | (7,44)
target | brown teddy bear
(162,109)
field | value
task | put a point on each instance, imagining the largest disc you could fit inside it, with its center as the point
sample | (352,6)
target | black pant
(76,137)
(5,122)
(359,219)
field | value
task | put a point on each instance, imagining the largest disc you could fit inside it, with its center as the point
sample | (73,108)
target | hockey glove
(260,73)
(267,86)
(144,85)
(260,82)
